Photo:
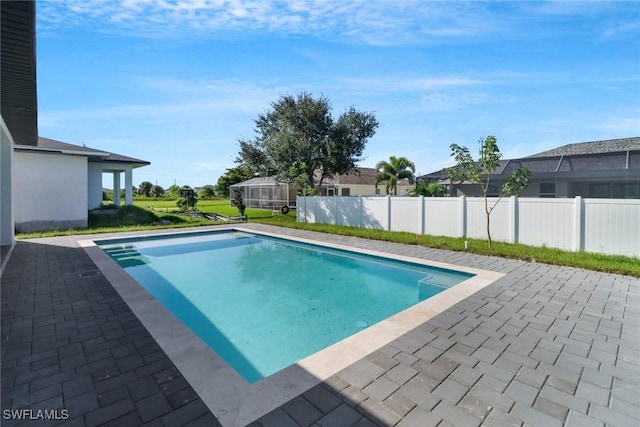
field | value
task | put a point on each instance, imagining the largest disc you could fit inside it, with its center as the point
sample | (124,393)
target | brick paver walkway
(543,346)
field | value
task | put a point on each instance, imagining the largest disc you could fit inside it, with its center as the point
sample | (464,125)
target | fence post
(422,210)
(361,225)
(388,212)
(577,225)
(462,226)
(513,219)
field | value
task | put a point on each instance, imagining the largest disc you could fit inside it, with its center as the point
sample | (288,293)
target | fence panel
(612,226)
(547,222)
(477,219)
(326,209)
(609,226)
(442,216)
(375,213)
(406,214)
(349,211)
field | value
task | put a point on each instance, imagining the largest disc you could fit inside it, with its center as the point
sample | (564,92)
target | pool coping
(232,400)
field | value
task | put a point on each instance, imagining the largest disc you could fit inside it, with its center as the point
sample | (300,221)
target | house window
(602,191)
(331,192)
(624,190)
(377,191)
(548,189)
(493,190)
(615,190)
(346,192)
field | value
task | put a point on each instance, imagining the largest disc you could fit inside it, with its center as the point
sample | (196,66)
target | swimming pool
(231,398)
(264,303)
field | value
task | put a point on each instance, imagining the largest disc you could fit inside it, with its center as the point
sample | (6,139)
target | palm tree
(396,169)
(431,189)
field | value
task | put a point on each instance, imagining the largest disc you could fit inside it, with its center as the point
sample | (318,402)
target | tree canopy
(207,192)
(298,140)
(396,169)
(145,188)
(427,189)
(233,176)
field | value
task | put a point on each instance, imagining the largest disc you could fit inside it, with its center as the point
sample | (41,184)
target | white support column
(128,186)
(116,188)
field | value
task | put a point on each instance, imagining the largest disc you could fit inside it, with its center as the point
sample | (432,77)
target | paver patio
(542,346)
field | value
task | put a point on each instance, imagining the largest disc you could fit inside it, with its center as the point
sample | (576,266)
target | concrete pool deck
(542,345)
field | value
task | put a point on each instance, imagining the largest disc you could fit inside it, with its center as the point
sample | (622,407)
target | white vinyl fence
(609,226)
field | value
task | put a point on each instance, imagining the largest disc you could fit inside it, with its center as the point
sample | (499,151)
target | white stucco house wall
(56,183)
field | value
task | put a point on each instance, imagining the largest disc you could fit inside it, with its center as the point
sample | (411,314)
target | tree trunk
(486,209)
(319,185)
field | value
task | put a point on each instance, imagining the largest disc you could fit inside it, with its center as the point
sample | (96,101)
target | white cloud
(374,22)
(388,84)
(625,126)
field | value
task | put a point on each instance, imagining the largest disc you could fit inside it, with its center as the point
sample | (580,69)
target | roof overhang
(30,148)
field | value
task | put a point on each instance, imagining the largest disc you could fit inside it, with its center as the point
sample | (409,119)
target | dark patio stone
(544,345)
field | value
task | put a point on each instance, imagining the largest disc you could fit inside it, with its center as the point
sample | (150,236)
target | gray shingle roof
(47,144)
(586,156)
(52,144)
(593,147)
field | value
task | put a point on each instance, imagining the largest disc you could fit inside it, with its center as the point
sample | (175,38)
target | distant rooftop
(593,147)
(610,154)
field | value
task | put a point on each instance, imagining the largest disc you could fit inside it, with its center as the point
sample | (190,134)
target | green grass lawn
(219,206)
(151,214)
(590,261)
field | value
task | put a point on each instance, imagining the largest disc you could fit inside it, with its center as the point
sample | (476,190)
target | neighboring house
(67,184)
(597,169)
(267,193)
(361,182)
(43,183)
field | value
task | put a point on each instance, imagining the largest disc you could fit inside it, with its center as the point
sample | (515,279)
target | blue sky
(178,82)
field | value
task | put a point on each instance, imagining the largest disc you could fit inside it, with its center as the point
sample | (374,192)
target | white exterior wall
(7,235)
(50,191)
(610,226)
(94,185)
(370,189)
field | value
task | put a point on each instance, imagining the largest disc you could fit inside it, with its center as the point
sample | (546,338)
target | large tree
(144,188)
(479,173)
(207,192)
(233,176)
(157,191)
(298,140)
(396,169)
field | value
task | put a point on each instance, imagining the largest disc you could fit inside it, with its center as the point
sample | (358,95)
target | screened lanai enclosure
(266,193)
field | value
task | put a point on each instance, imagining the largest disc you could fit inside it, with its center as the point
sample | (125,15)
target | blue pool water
(263,303)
